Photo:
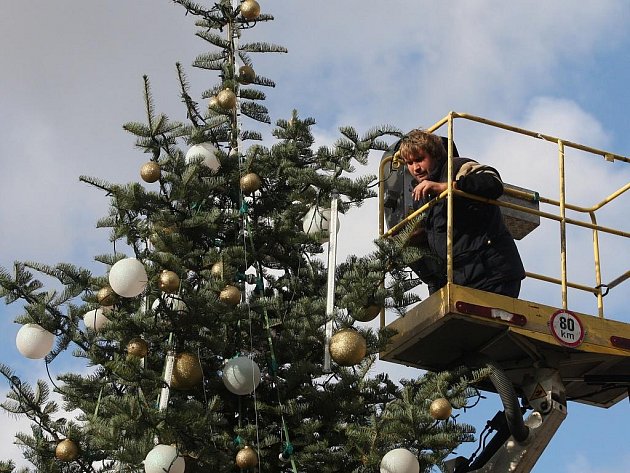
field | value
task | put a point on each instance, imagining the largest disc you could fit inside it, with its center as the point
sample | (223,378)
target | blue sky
(71,75)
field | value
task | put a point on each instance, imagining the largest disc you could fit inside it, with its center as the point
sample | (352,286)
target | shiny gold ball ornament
(366,314)
(213,102)
(230,295)
(138,347)
(187,371)
(246,74)
(168,281)
(250,183)
(250,9)
(67,451)
(440,409)
(226,99)
(347,347)
(150,172)
(106,296)
(246,457)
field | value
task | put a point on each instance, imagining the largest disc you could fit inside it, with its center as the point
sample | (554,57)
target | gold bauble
(213,103)
(138,347)
(217,270)
(440,409)
(168,281)
(246,457)
(150,172)
(67,451)
(347,347)
(187,371)
(250,9)
(246,74)
(250,182)
(106,296)
(230,295)
(366,314)
(226,99)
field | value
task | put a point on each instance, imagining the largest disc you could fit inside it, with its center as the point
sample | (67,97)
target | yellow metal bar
(612,196)
(598,272)
(542,277)
(563,225)
(449,204)
(605,154)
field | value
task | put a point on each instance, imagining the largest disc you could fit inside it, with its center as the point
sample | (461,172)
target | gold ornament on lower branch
(187,371)
(230,295)
(150,172)
(440,409)
(347,347)
(168,281)
(138,347)
(250,183)
(67,451)
(246,457)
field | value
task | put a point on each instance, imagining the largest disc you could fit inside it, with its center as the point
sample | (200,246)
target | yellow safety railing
(562,205)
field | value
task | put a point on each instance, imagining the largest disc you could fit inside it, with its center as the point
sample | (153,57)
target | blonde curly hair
(419,140)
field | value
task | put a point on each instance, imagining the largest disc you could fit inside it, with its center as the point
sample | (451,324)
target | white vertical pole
(332,265)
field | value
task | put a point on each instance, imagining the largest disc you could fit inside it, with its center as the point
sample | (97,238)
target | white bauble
(207,152)
(33,341)
(164,459)
(317,220)
(399,460)
(95,319)
(128,278)
(241,375)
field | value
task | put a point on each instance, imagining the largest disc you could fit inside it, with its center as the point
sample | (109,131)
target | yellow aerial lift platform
(541,354)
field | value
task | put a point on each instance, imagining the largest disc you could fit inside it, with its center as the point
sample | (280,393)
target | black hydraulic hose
(508,396)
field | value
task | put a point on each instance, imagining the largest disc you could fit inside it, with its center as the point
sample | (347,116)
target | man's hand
(428,189)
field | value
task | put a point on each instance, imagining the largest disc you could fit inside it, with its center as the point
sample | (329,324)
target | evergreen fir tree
(232,280)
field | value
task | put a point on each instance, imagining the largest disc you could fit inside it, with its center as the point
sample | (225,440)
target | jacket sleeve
(479,179)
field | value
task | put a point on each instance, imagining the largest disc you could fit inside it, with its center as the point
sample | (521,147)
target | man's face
(420,165)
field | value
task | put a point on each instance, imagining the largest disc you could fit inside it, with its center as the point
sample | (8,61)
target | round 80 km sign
(567,328)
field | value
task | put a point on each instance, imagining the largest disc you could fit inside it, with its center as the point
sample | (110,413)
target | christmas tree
(209,333)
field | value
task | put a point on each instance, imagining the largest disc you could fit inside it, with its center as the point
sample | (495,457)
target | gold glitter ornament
(106,296)
(226,99)
(366,314)
(230,295)
(246,457)
(217,270)
(138,347)
(246,74)
(250,9)
(150,172)
(440,409)
(67,451)
(347,347)
(168,281)
(187,371)
(250,183)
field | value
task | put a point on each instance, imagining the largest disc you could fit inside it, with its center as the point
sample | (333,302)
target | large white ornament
(399,460)
(241,375)
(207,152)
(128,278)
(164,459)
(96,319)
(317,220)
(33,341)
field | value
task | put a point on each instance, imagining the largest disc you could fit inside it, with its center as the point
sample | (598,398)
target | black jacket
(484,252)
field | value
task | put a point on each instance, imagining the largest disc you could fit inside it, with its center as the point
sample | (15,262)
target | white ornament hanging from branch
(399,460)
(164,459)
(128,278)
(33,341)
(241,375)
(318,221)
(96,319)
(207,153)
